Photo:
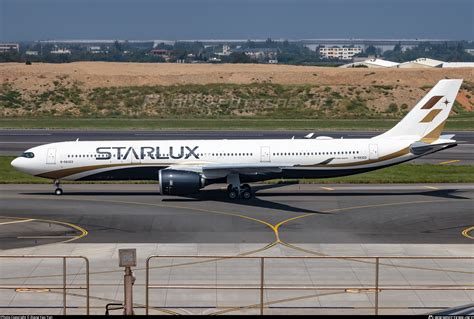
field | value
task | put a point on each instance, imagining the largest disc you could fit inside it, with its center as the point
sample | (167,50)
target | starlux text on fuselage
(123,152)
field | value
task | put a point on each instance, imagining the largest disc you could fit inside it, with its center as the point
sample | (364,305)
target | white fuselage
(299,158)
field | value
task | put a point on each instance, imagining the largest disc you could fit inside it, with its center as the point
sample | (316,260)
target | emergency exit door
(265,154)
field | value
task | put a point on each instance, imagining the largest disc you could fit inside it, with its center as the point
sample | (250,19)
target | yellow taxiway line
(466,232)
(449,162)
(82,231)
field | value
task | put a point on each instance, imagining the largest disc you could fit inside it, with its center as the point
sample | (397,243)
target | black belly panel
(138,173)
(151,173)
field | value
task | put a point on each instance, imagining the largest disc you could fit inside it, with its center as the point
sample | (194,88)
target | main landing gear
(58,191)
(235,190)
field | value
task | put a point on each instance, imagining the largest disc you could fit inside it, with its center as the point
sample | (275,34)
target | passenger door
(373,151)
(265,154)
(51,156)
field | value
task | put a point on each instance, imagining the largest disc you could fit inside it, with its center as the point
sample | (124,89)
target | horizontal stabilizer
(420,148)
(447,137)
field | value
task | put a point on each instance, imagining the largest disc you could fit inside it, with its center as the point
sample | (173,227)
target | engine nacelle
(174,182)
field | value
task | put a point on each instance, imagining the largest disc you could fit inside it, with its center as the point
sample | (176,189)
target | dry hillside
(140,89)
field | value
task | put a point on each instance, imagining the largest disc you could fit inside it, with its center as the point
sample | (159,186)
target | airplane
(183,167)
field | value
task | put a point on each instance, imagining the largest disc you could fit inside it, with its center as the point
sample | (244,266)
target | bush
(393,108)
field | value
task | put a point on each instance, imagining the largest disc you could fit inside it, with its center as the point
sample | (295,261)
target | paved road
(127,213)
(14,142)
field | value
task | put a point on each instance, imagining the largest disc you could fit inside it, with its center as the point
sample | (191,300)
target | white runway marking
(44,237)
(20,134)
(17,221)
(328,188)
(19,142)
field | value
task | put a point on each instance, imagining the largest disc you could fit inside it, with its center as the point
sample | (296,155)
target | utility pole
(128,259)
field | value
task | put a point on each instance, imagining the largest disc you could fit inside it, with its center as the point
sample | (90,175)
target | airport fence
(271,282)
(54,284)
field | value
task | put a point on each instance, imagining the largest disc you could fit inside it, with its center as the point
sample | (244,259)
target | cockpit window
(28,155)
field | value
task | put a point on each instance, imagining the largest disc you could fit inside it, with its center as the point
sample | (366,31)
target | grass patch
(64,103)
(404,173)
(213,123)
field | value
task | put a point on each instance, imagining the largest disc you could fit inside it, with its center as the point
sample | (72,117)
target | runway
(14,142)
(280,214)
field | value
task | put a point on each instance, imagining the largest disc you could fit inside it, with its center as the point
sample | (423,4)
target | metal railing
(64,287)
(374,288)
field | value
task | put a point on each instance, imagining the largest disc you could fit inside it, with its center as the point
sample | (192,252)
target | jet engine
(175,182)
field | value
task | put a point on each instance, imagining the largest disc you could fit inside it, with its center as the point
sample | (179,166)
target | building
(225,51)
(162,53)
(259,53)
(214,60)
(9,48)
(96,50)
(31,53)
(458,65)
(60,51)
(344,53)
(421,63)
(470,51)
(371,63)
(380,44)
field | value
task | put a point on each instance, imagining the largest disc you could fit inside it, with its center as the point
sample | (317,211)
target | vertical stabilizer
(426,120)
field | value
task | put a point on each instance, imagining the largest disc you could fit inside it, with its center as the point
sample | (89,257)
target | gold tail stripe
(434,134)
(430,116)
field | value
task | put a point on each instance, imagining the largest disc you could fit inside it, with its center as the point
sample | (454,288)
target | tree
(371,50)
(117,46)
(397,47)
(236,57)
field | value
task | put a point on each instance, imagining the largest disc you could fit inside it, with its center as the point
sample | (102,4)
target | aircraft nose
(16,163)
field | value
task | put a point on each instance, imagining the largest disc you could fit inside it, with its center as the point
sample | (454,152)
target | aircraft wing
(222,170)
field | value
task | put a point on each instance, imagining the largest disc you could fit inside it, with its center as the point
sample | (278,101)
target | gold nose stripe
(430,116)
(431,102)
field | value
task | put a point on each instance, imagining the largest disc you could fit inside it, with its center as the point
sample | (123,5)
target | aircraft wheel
(233,194)
(246,194)
(58,191)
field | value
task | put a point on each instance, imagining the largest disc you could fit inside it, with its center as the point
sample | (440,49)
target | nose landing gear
(58,191)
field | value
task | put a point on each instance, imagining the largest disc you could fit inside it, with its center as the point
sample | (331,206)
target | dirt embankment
(81,87)
(100,74)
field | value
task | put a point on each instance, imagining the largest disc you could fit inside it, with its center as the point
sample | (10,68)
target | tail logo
(433,113)
(431,102)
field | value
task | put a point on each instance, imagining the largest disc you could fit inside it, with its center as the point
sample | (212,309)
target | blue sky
(235,19)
